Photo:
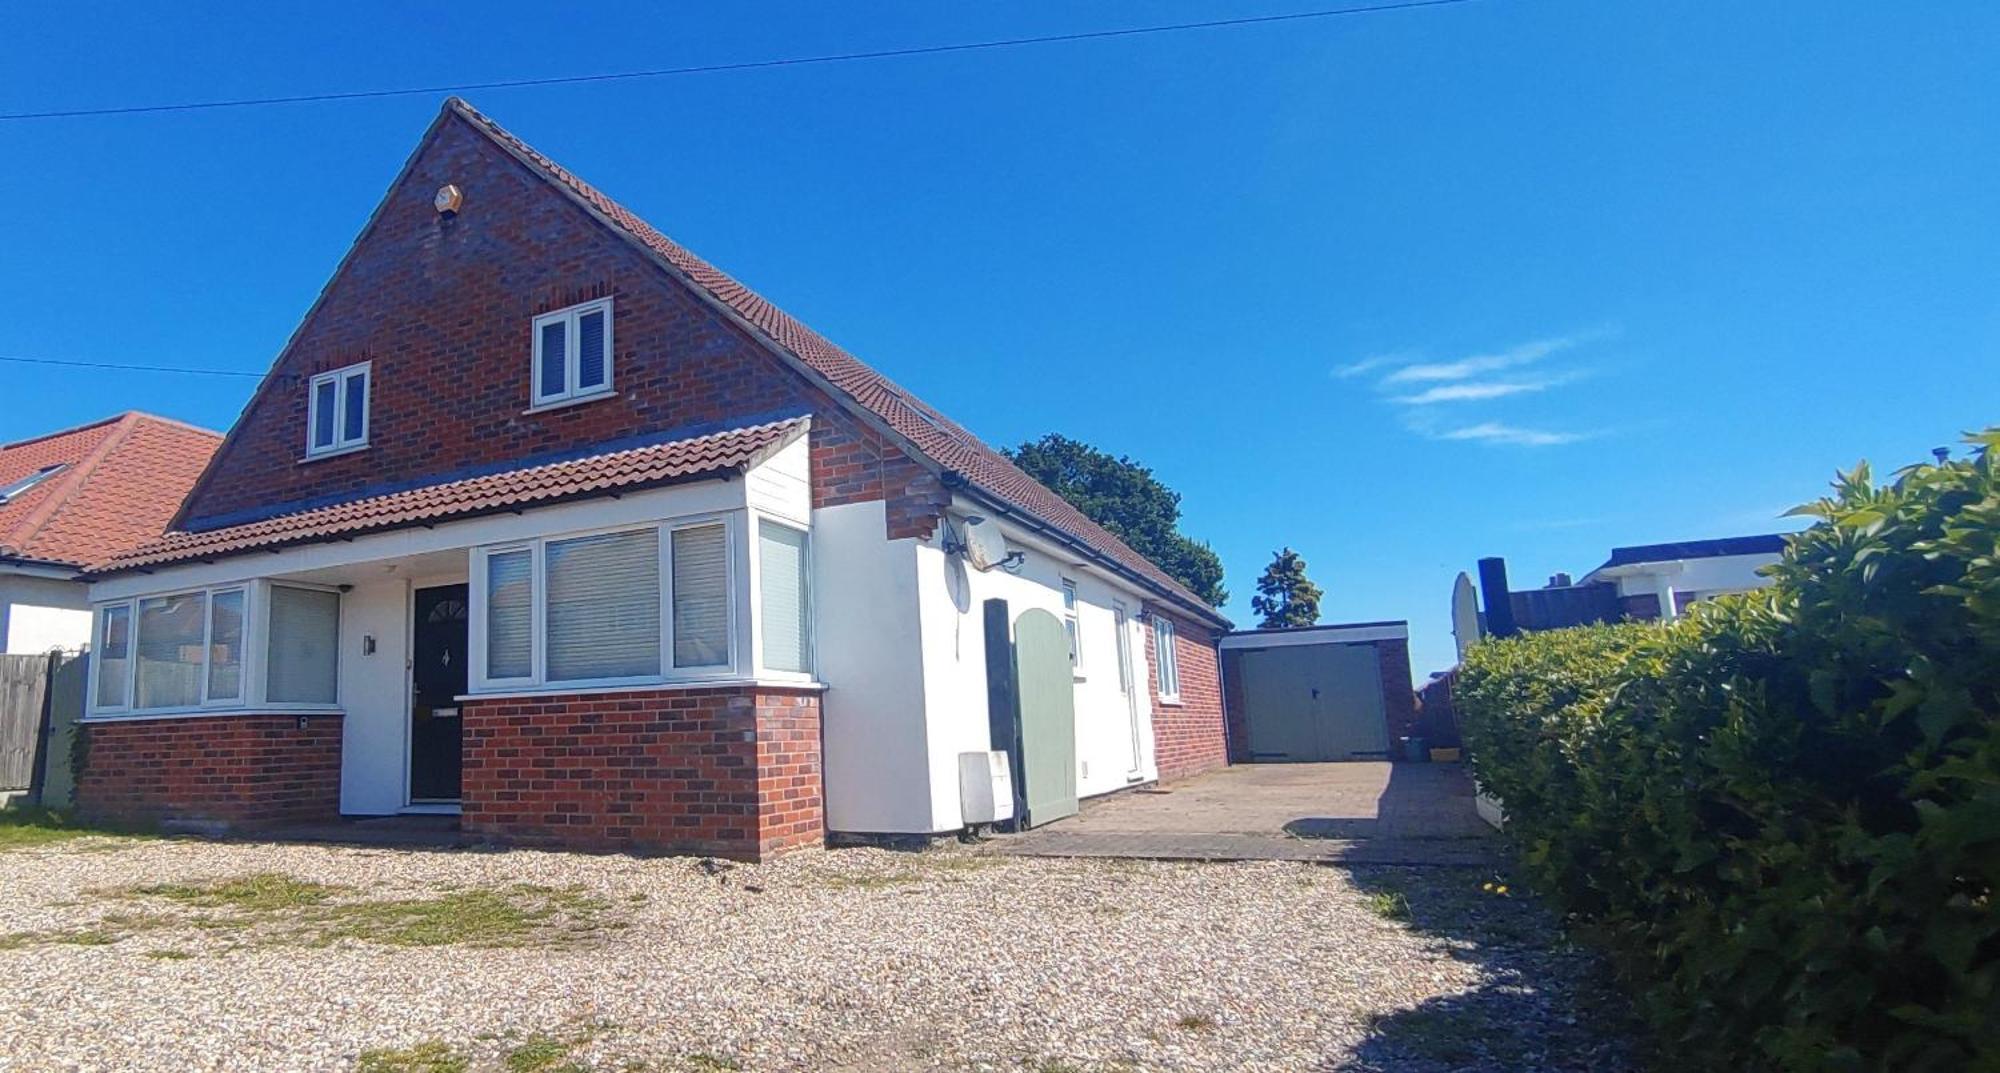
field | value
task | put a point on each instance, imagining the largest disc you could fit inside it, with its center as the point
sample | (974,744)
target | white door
(1128,687)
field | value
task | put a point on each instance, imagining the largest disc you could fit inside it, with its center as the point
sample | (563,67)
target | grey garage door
(1314,702)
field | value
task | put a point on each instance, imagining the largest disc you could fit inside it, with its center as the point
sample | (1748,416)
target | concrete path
(1365,812)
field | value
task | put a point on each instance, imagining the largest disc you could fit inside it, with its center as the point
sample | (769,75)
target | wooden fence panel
(23,682)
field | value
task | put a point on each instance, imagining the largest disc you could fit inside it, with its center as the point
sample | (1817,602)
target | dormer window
(573,353)
(337,411)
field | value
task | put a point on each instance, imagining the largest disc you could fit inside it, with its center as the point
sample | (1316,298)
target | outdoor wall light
(368,644)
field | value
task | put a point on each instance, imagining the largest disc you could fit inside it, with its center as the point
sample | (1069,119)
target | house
(542,520)
(80,497)
(1648,581)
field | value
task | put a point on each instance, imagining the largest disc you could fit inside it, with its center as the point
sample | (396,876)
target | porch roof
(607,473)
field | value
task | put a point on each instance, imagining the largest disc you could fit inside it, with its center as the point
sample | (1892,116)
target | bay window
(627,606)
(191,650)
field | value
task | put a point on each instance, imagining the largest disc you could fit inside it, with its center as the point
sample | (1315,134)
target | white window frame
(572,319)
(1166,659)
(811,673)
(537,678)
(1072,612)
(341,443)
(253,636)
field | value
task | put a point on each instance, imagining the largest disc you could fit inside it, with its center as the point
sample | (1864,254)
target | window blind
(510,642)
(324,404)
(590,350)
(701,596)
(787,622)
(114,654)
(170,629)
(354,413)
(225,646)
(604,606)
(554,372)
(304,648)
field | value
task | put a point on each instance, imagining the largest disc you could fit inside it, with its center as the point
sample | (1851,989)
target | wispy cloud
(1511,435)
(1420,388)
(1511,358)
(1476,390)
(1369,365)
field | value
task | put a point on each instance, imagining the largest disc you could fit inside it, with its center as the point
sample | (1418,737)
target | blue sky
(1398,290)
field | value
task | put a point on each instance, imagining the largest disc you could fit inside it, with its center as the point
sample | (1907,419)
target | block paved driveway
(1361,812)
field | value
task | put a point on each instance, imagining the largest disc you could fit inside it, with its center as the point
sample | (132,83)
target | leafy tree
(1285,596)
(1123,496)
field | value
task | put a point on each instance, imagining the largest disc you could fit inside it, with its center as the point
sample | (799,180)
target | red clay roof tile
(124,478)
(944,442)
(626,469)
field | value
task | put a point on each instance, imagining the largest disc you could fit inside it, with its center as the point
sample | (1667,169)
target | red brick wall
(236,769)
(729,771)
(1189,736)
(443,310)
(1399,698)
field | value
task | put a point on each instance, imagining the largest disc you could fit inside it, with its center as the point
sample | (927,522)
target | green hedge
(1781,814)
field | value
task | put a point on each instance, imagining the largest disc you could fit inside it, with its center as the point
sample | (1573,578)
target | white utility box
(985,787)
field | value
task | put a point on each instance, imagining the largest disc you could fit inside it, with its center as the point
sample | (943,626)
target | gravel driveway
(187,955)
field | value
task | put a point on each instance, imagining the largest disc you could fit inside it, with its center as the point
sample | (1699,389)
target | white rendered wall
(1704,577)
(374,694)
(40,613)
(876,769)
(953,598)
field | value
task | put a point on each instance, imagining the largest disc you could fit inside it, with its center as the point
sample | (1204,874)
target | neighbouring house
(542,520)
(77,498)
(1309,693)
(1648,581)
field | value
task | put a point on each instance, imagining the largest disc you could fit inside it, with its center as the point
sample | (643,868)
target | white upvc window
(784,597)
(337,411)
(624,606)
(1166,660)
(572,354)
(173,651)
(1073,626)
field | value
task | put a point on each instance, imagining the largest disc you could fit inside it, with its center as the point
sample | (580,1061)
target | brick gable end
(442,308)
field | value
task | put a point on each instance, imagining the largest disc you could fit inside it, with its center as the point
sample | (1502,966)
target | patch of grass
(430,1056)
(265,892)
(1195,1022)
(168,954)
(523,914)
(1388,904)
(712,1063)
(27,828)
(1053,1065)
(541,1054)
(872,880)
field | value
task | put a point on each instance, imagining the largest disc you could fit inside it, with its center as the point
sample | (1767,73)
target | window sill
(575,400)
(208,713)
(1171,702)
(678,685)
(320,456)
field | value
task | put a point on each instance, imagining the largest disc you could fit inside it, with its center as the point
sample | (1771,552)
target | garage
(1316,693)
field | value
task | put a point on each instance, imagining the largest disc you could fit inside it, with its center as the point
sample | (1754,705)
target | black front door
(437,676)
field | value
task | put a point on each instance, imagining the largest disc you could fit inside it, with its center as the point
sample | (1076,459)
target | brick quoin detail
(1189,737)
(443,309)
(732,772)
(241,770)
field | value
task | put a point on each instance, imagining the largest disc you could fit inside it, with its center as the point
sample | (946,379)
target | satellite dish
(1464,613)
(985,546)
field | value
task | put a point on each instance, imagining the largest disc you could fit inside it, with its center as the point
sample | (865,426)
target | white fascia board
(1334,635)
(32,568)
(658,504)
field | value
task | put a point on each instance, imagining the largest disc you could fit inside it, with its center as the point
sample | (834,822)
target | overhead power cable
(131,368)
(743,65)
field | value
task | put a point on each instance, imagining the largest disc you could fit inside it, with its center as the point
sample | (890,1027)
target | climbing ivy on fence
(1781,814)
